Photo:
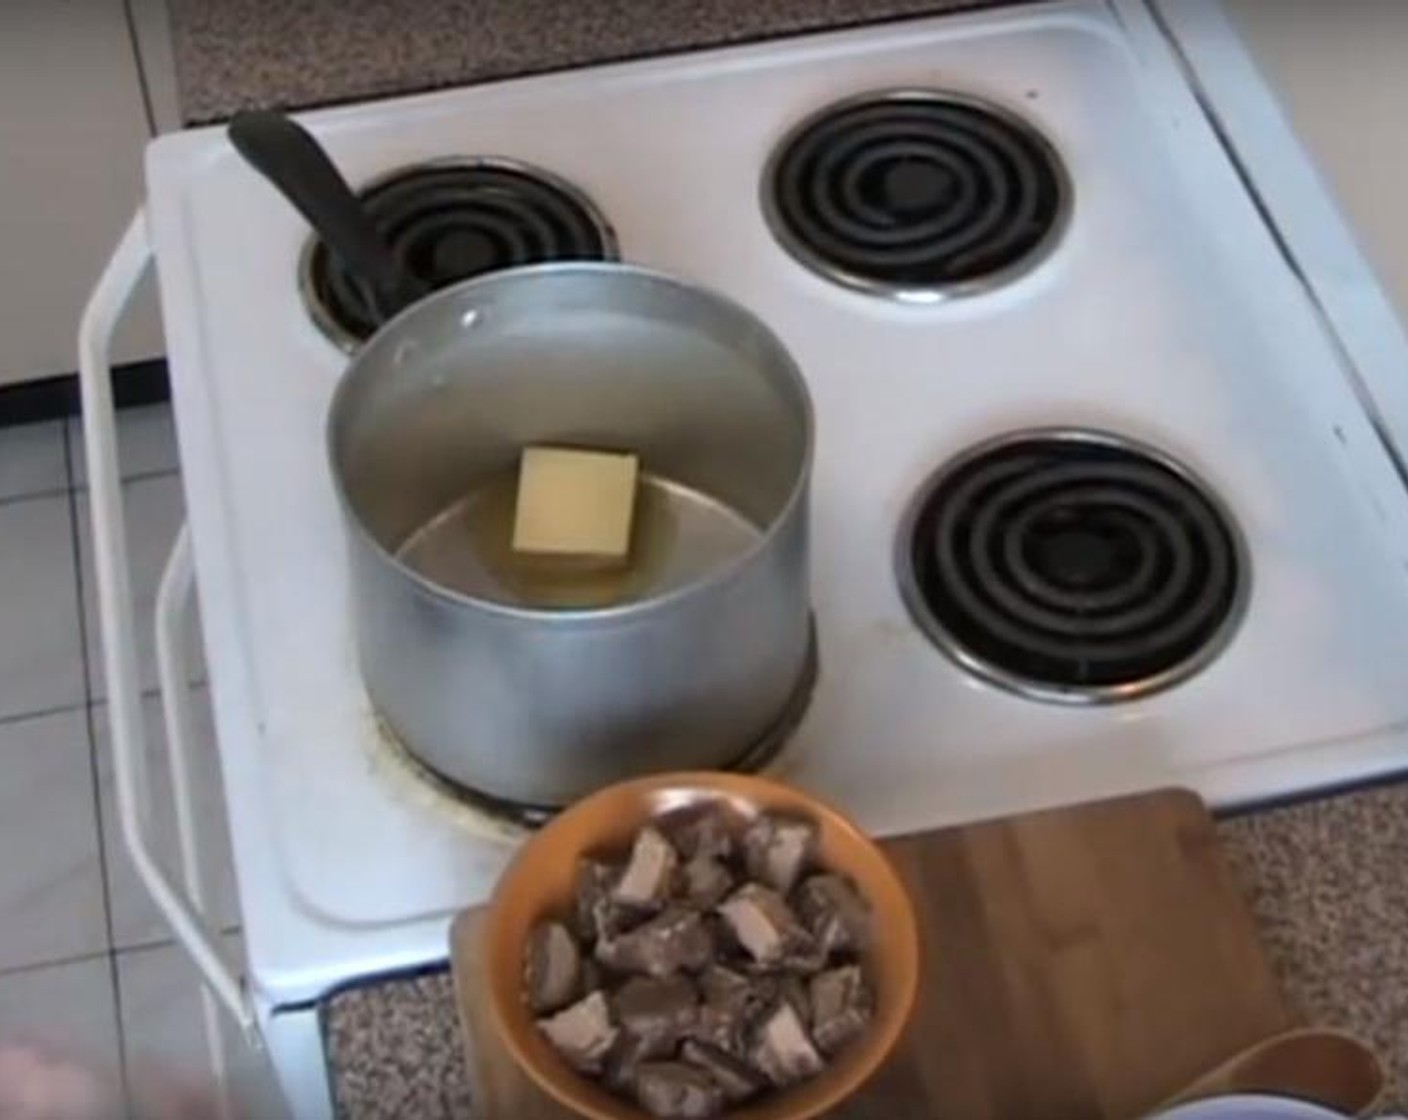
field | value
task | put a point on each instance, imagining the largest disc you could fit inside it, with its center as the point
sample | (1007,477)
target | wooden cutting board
(1080,962)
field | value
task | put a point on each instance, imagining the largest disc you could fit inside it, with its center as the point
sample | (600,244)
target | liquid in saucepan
(679,537)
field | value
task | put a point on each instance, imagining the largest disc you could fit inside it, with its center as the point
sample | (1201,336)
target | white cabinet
(73,125)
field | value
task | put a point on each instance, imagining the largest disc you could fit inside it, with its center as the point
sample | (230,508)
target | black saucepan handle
(288,156)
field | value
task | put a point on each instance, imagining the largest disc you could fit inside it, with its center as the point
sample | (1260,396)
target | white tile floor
(86,964)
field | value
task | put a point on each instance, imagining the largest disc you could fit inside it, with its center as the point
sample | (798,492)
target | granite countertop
(1327,881)
(234,54)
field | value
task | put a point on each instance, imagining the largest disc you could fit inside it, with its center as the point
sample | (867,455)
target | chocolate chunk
(723,987)
(726,1030)
(735,1078)
(593,976)
(728,950)
(625,1059)
(650,873)
(705,882)
(732,1004)
(678,1090)
(705,831)
(795,991)
(657,1011)
(552,968)
(835,913)
(803,956)
(842,1007)
(782,1050)
(764,924)
(777,849)
(596,913)
(583,1033)
(677,940)
(593,883)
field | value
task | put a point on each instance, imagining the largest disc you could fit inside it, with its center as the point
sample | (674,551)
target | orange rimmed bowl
(539,884)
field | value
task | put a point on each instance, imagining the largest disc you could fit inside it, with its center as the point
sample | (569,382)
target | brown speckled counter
(1328,881)
(233,54)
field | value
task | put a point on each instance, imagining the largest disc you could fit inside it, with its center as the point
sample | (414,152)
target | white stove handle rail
(183,910)
(174,597)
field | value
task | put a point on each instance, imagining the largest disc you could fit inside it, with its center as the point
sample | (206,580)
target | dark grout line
(34,496)
(148,108)
(65,428)
(57,962)
(195,684)
(118,951)
(169,942)
(81,487)
(85,645)
(144,947)
(124,1084)
(60,427)
(23,717)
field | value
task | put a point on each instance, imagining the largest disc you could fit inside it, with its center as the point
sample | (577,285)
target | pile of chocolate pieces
(716,964)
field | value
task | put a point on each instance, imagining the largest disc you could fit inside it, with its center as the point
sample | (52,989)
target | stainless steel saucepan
(535,683)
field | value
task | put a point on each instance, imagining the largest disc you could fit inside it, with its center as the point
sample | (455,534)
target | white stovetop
(1165,314)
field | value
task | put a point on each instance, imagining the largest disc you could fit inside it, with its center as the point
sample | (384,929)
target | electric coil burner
(453,220)
(1073,566)
(918,195)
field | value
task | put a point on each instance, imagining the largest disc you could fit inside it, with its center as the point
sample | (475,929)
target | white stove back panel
(1164,314)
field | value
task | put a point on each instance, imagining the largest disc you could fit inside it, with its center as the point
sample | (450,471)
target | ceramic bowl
(539,885)
(1259,1107)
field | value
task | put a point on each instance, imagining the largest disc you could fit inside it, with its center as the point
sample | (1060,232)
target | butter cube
(575,504)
